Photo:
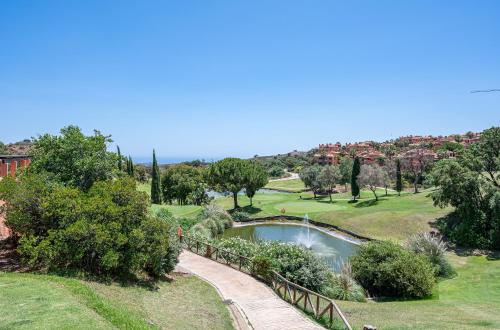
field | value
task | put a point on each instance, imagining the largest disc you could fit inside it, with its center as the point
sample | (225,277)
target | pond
(334,251)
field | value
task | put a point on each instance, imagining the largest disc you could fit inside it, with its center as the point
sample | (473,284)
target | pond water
(334,251)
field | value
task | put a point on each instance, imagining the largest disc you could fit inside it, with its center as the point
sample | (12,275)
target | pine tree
(155,182)
(120,160)
(399,183)
(356,169)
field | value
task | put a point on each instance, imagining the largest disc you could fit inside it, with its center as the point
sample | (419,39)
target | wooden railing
(315,304)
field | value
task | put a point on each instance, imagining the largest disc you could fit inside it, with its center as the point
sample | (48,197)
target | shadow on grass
(248,209)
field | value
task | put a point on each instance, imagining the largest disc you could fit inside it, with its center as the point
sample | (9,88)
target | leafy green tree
(73,158)
(256,178)
(3,149)
(470,183)
(329,177)
(130,167)
(183,183)
(120,158)
(229,174)
(399,181)
(141,173)
(345,167)
(372,177)
(356,168)
(155,182)
(310,177)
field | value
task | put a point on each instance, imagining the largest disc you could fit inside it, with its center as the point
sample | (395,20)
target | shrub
(215,212)
(343,286)
(262,267)
(434,249)
(105,230)
(237,247)
(211,225)
(296,264)
(386,269)
(239,216)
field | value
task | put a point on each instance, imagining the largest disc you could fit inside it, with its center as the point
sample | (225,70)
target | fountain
(306,239)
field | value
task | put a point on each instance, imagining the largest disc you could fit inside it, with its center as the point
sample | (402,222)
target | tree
(228,174)
(3,149)
(155,182)
(310,177)
(390,170)
(183,182)
(345,168)
(120,159)
(328,178)
(416,162)
(141,173)
(256,178)
(372,177)
(356,168)
(399,182)
(73,158)
(130,167)
(470,183)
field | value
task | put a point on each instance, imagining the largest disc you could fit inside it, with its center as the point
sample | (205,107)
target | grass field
(30,301)
(293,185)
(392,217)
(471,300)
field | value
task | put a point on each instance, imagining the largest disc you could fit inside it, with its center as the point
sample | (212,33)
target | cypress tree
(356,168)
(120,160)
(399,182)
(155,182)
(131,164)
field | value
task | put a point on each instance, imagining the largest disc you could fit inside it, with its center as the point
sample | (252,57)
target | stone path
(260,305)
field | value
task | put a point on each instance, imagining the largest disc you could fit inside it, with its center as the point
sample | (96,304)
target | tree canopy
(310,176)
(73,158)
(256,178)
(470,183)
(228,174)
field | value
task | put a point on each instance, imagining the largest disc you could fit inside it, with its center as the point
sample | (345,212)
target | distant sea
(171,160)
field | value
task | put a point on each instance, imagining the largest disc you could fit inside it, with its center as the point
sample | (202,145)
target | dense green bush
(105,230)
(237,247)
(262,267)
(296,264)
(434,249)
(387,269)
(239,216)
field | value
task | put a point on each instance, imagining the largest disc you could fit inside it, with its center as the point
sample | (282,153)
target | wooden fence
(319,306)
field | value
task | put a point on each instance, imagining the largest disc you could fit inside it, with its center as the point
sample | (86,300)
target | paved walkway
(260,305)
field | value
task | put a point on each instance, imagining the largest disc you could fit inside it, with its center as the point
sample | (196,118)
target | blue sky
(218,78)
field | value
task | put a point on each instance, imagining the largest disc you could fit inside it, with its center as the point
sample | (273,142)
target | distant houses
(372,152)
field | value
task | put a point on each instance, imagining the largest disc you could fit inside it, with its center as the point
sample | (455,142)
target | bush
(296,264)
(386,269)
(239,216)
(105,230)
(211,224)
(343,286)
(263,267)
(434,249)
(237,247)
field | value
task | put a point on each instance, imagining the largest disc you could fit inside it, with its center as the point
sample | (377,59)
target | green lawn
(30,301)
(471,300)
(392,217)
(293,185)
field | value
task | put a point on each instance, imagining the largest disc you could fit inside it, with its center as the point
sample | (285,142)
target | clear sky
(219,78)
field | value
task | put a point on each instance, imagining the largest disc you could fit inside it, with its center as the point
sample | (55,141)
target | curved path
(261,306)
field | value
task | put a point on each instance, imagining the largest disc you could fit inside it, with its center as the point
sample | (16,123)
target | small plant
(239,216)
(343,286)
(433,247)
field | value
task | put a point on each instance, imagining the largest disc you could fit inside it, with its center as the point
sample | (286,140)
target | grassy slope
(391,217)
(30,301)
(288,185)
(469,301)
